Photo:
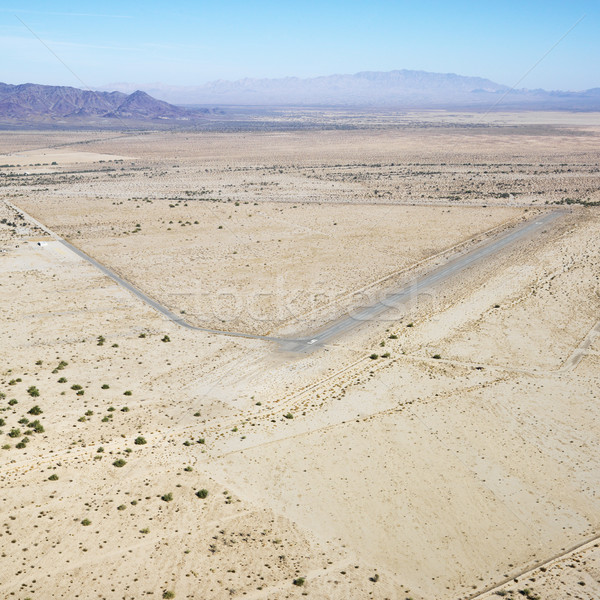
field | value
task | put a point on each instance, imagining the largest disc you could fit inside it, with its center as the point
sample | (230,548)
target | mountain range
(398,89)
(29,102)
(32,105)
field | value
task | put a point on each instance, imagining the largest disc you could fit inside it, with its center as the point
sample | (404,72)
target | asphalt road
(422,284)
(345,324)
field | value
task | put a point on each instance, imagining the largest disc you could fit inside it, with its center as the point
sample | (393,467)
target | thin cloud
(64,14)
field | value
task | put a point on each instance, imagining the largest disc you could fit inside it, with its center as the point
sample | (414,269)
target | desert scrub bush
(15,432)
(374,356)
(35,410)
(100,340)
(62,364)
(76,387)
(166,338)
(167,497)
(299,581)
(393,336)
(385,355)
(2,422)
(53,477)
(33,391)
(105,386)
(37,426)
(86,522)
(119,462)
(140,441)
(6,447)
(125,409)
(22,444)
(410,324)
(121,507)
(437,356)
(12,402)
(202,493)
(62,380)
(168,594)
(145,530)
(127,393)
(188,469)
(288,415)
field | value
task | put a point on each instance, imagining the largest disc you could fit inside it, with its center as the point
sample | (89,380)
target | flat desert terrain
(446,449)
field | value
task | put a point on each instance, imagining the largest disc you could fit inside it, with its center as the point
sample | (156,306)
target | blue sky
(189,43)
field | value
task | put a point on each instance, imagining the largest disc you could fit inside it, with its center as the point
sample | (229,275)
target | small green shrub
(15,432)
(168,594)
(86,522)
(33,391)
(119,462)
(127,393)
(53,477)
(105,386)
(289,415)
(374,356)
(37,426)
(167,497)
(166,338)
(35,410)
(62,380)
(202,493)
(299,581)
(140,441)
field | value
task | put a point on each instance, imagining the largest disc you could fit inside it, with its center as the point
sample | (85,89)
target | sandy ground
(261,269)
(330,475)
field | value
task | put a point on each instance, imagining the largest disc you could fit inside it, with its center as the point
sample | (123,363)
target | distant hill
(32,103)
(398,89)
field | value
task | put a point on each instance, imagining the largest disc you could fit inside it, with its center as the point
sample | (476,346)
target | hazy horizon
(532,45)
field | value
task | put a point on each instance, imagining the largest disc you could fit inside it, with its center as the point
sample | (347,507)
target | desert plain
(447,449)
